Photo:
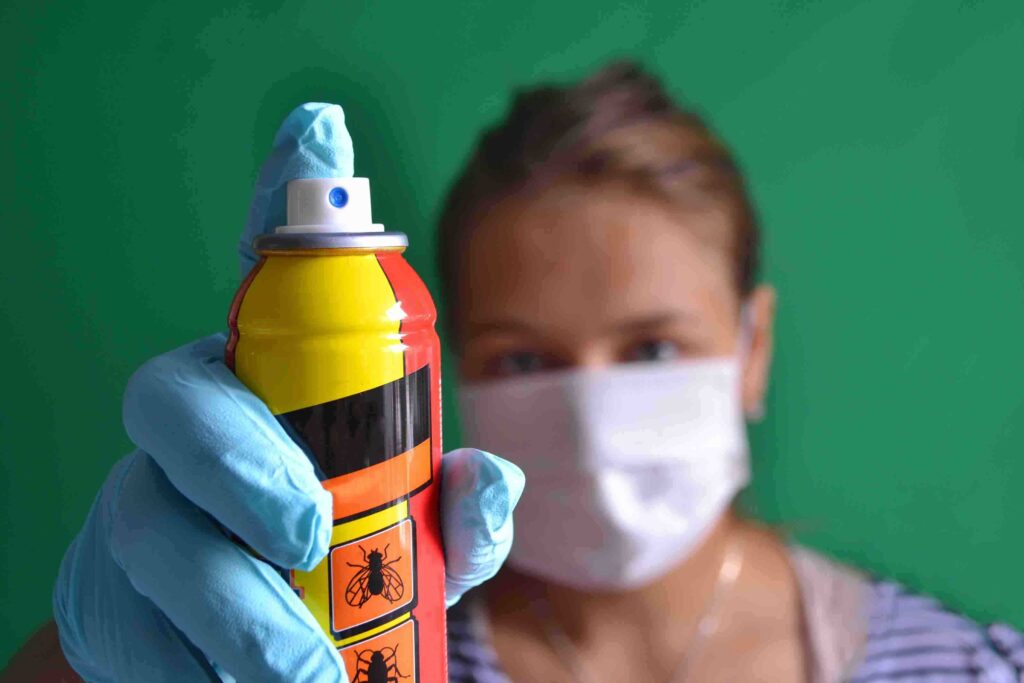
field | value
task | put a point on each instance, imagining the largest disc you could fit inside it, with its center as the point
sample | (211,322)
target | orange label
(372,578)
(389,657)
(381,484)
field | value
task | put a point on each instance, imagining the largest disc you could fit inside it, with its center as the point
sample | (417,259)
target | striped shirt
(909,639)
(914,639)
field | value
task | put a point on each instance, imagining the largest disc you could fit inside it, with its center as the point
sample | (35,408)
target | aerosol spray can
(334,331)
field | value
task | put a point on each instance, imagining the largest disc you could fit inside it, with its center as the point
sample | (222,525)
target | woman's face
(588,276)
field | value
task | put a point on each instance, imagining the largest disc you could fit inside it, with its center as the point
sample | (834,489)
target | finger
(221,447)
(235,608)
(312,142)
(108,632)
(163,655)
(478,494)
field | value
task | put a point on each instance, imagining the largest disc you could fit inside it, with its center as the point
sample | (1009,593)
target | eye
(653,350)
(518,363)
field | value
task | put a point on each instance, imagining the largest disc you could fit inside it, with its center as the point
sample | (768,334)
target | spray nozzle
(326,205)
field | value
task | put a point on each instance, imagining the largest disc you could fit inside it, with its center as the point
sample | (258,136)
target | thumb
(478,495)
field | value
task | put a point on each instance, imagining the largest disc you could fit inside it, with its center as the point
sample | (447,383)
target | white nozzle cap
(329,205)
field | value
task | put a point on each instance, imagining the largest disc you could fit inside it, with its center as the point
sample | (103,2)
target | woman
(599,258)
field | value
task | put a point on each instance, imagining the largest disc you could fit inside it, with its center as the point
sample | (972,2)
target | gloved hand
(153,590)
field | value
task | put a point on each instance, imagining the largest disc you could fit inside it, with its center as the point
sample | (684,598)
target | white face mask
(627,468)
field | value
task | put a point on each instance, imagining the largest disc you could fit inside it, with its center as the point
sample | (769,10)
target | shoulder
(913,637)
(868,630)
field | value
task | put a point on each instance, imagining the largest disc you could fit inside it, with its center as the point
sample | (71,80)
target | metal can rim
(330,240)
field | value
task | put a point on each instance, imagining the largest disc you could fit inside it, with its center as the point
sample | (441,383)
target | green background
(884,143)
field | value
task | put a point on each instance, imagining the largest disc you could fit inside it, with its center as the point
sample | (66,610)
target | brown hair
(617,125)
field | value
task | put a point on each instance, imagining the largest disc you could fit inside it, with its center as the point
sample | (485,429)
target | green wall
(884,143)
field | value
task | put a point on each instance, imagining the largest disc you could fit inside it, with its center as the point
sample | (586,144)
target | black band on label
(364,429)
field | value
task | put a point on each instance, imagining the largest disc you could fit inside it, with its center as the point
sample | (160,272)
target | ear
(758,359)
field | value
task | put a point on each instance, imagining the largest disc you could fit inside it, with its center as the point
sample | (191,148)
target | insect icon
(375,577)
(381,666)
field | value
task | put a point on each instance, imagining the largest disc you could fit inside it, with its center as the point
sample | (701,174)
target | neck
(665,611)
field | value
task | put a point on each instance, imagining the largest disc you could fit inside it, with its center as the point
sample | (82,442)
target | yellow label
(312,330)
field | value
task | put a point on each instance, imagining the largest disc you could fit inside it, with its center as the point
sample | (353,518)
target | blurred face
(586,277)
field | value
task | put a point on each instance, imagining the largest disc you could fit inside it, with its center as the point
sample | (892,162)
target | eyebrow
(645,321)
(651,320)
(501,325)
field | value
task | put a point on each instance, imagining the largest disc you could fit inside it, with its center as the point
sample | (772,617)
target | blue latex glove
(152,590)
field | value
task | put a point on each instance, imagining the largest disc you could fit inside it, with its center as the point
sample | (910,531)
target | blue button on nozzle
(338,197)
